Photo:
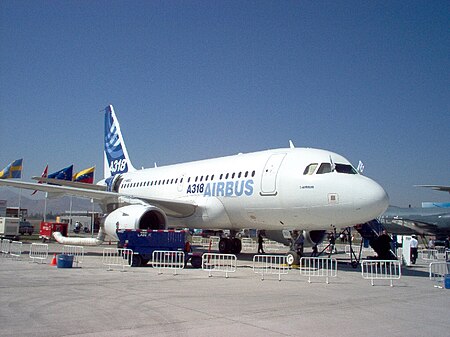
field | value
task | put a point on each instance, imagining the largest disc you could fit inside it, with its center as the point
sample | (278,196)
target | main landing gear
(230,245)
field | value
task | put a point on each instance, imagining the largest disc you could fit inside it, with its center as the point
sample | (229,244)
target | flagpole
(45,207)
(70,212)
(20,193)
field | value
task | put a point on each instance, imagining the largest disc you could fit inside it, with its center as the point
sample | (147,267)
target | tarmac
(43,300)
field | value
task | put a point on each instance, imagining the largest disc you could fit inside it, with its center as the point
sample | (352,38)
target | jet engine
(135,217)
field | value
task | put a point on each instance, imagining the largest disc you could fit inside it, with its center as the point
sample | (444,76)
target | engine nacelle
(135,217)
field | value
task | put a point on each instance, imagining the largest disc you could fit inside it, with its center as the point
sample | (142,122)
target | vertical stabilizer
(116,159)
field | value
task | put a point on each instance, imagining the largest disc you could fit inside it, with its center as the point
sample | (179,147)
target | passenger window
(324,168)
(310,169)
(253,174)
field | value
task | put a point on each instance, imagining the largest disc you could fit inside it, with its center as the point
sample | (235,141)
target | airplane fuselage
(270,189)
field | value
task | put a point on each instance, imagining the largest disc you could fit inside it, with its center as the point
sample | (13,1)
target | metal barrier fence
(248,244)
(357,249)
(15,249)
(225,263)
(270,264)
(428,254)
(438,270)
(273,246)
(212,241)
(381,270)
(174,260)
(39,252)
(117,257)
(76,251)
(5,246)
(318,267)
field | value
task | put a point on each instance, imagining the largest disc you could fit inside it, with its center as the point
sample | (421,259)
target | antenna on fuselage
(291,144)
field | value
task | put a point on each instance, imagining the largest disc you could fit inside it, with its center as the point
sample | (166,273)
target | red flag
(43,175)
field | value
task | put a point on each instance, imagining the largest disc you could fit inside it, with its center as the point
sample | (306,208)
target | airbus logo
(223,189)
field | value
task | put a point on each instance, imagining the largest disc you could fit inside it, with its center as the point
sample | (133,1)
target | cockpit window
(310,169)
(345,168)
(324,168)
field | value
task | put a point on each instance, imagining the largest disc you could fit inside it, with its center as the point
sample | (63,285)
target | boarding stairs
(372,231)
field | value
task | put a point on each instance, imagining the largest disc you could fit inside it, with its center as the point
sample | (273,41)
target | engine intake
(135,217)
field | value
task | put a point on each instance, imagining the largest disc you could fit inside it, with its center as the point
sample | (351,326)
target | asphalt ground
(43,300)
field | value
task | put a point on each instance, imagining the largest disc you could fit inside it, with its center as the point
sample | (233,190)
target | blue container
(447,281)
(64,261)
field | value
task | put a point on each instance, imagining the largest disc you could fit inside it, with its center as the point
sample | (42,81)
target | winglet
(116,159)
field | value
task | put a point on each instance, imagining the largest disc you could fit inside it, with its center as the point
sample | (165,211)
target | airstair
(372,231)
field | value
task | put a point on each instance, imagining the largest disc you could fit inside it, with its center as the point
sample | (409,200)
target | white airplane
(275,190)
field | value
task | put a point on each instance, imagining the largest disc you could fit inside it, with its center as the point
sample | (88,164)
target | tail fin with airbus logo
(116,159)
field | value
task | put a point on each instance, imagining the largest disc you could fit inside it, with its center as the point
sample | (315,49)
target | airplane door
(269,175)
(181,183)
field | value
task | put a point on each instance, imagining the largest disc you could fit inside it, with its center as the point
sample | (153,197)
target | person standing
(260,243)
(414,244)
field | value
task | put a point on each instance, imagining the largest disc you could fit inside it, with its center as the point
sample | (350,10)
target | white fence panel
(173,260)
(438,270)
(381,270)
(76,251)
(6,246)
(270,264)
(197,240)
(318,267)
(224,263)
(15,249)
(39,252)
(273,246)
(428,254)
(248,244)
(117,257)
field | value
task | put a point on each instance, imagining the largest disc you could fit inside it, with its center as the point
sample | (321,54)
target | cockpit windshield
(327,168)
(345,168)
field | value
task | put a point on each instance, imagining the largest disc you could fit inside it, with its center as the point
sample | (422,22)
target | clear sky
(192,80)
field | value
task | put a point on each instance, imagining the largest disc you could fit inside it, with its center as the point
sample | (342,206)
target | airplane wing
(174,208)
(70,183)
(436,187)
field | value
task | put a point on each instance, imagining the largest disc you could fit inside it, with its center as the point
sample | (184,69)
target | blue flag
(63,174)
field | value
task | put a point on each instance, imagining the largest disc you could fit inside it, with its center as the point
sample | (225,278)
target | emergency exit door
(270,173)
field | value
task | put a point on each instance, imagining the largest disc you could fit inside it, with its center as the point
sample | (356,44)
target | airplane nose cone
(372,199)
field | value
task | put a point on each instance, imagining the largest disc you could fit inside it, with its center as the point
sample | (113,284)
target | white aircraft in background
(275,190)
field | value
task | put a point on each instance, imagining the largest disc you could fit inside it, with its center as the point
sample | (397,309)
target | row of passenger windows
(326,168)
(196,179)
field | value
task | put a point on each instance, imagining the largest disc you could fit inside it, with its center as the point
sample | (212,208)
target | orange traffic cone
(53,263)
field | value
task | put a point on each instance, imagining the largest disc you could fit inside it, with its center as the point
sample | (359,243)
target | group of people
(383,243)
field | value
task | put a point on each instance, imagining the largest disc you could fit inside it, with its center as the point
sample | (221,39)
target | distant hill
(35,204)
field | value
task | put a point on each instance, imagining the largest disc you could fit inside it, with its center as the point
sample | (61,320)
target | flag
(360,167)
(85,176)
(13,170)
(63,174)
(43,175)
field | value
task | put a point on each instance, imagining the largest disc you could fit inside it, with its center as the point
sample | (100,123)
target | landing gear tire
(230,246)
(236,246)
(224,246)
(292,258)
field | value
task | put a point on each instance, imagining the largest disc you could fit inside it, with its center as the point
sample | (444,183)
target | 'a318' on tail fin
(116,159)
